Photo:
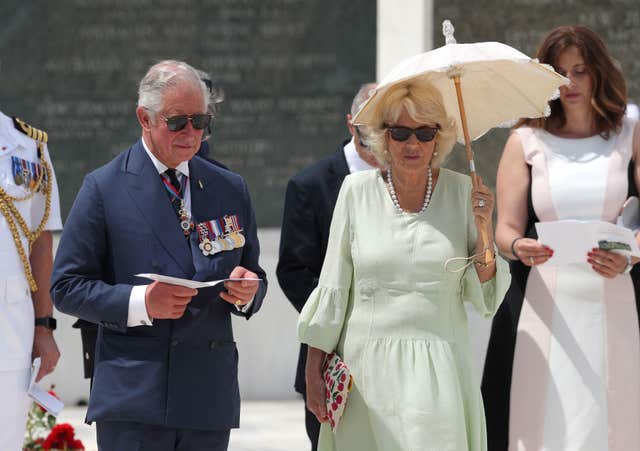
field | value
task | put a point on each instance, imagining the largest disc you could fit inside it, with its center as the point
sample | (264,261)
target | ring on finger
(532,260)
(481,203)
(238,302)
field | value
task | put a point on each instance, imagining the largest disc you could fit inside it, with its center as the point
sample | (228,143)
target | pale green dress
(396,317)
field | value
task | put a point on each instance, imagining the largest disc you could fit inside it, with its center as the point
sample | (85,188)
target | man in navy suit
(89,331)
(165,374)
(308,209)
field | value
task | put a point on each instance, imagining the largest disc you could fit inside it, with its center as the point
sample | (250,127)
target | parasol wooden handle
(488,254)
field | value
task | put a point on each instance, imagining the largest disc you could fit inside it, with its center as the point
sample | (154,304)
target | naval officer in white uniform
(29,211)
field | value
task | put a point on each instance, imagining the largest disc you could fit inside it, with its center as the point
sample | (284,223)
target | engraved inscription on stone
(522,24)
(289,69)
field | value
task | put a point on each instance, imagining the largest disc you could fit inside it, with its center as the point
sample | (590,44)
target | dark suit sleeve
(300,253)
(77,286)
(250,256)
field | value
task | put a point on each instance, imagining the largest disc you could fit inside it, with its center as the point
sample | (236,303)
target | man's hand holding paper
(241,287)
(170,296)
(167,301)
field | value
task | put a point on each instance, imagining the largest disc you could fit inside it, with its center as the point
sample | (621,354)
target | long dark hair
(609,95)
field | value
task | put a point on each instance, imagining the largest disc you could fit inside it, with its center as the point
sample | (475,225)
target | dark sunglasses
(198,121)
(424,134)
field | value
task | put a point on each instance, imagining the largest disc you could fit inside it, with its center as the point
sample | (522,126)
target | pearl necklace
(394,197)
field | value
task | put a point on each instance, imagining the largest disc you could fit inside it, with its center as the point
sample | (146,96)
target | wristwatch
(48,321)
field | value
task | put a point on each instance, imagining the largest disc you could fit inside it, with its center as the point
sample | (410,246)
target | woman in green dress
(389,300)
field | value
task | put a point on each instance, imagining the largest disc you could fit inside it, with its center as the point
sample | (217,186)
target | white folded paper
(571,240)
(52,404)
(187,282)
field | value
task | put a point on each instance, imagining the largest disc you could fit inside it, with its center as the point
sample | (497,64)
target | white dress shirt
(354,161)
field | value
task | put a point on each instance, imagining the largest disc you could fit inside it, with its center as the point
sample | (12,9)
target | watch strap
(48,321)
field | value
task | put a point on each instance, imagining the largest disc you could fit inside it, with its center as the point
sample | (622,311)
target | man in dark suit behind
(308,209)
(165,374)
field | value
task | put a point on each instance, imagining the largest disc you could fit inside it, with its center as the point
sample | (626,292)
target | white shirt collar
(354,161)
(183,167)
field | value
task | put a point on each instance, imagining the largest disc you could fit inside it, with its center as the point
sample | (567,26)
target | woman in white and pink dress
(563,364)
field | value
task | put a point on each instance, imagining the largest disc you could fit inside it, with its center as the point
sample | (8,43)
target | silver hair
(165,75)
(363,94)
(424,105)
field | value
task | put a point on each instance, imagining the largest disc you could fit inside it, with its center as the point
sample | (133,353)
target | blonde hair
(423,103)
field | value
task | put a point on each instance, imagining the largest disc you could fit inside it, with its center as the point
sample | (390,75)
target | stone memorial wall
(522,24)
(289,70)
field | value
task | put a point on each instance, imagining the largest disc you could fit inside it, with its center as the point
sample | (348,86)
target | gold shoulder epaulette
(30,131)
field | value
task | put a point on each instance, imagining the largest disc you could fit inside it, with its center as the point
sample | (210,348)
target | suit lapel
(203,199)
(146,190)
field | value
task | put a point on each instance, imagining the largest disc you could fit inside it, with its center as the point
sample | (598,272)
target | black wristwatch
(48,321)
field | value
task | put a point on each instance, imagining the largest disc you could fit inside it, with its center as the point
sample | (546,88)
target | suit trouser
(13,414)
(312,425)
(130,436)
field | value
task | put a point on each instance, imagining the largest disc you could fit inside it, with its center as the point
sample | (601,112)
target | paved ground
(265,426)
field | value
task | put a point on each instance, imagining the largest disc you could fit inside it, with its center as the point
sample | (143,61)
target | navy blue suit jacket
(308,209)
(178,373)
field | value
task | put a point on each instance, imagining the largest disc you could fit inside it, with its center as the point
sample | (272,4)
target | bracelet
(513,247)
(484,264)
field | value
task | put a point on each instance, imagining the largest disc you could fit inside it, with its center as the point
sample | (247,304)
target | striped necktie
(176,196)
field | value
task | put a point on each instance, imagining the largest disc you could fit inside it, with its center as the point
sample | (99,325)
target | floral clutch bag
(338,381)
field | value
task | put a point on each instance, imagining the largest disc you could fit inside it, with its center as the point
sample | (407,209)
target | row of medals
(27,173)
(229,241)
(232,240)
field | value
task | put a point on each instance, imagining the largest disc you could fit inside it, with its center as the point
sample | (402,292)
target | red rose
(334,406)
(62,436)
(77,444)
(327,394)
(339,399)
(340,386)
(343,377)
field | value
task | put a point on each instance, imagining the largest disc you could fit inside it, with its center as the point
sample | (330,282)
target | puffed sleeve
(321,320)
(487,296)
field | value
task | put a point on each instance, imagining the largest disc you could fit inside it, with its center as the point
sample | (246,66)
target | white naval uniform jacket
(16,307)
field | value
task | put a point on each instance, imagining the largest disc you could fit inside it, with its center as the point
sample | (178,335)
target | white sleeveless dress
(576,369)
